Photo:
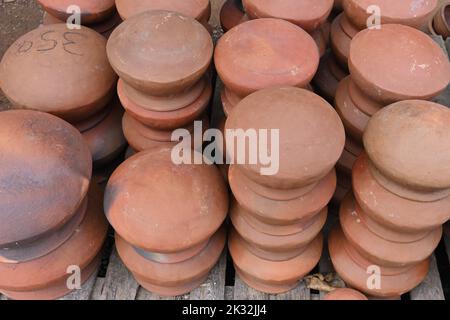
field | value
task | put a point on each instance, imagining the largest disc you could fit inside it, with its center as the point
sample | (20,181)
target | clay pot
(322,37)
(45,277)
(91,11)
(160,215)
(307,14)
(232,14)
(178,51)
(74,80)
(196,9)
(249,58)
(415,135)
(353,269)
(441,21)
(409,12)
(363,103)
(325,80)
(272,276)
(340,41)
(322,135)
(52,182)
(345,294)
(415,68)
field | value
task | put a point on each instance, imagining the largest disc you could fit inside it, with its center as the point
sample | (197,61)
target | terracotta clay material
(407,12)
(249,57)
(176,278)
(272,276)
(232,14)
(380,245)
(196,9)
(415,68)
(345,294)
(395,212)
(167,216)
(340,41)
(322,37)
(178,51)
(282,212)
(336,70)
(352,268)
(441,21)
(92,11)
(74,79)
(229,100)
(52,182)
(307,14)
(364,103)
(415,134)
(45,277)
(317,128)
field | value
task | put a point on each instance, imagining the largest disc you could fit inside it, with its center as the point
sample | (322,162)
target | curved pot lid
(264,53)
(303,119)
(307,14)
(409,142)
(398,62)
(160,52)
(197,9)
(345,294)
(45,174)
(340,41)
(162,207)
(60,71)
(232,14)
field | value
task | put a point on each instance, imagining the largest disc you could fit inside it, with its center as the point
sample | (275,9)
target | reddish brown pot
(52,182)
(340,41)
(345,294)
(322,134)
(249,58)
(441,21)
(416,136)
(75,80)
(395,212)
(197,9)
(45,277)
(415,68)
(232,14)
(272,276)
(167,217)
(178,52)
(91,11)
(352,268)
(408,12)
(363,102)
(175,278)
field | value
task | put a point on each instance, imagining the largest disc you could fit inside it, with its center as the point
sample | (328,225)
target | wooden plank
(431,287)
(97,292)
(301,292)
(216,5)
(214,286)
(244,292)
(229,292)
(2,297)
(85,292)
(146,295)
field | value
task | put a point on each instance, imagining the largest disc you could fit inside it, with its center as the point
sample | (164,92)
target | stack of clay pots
(52,223)
(440,24)
(392,222)
(278,215)
(66,72)
(232,13)
(345,294)
(388,65)
(162,59)
(167,219)
(263,53)
(100,15)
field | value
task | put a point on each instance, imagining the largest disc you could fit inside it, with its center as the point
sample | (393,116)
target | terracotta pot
(338,5)
(340,41)
(178,218)
(176,278)
(307,14)
(130,152)
(325,80)
(353,269)
(276,107)
(248,58)
(415,68)
(272,276)
(232,14)
(35,169)
(196,9)
(361,101)
(441,21)
(45,277)
(345,294)
(178,52)
(379,203)
(229,100)
(352,150)
(418,169)
(322,37)
(383,246)
(91,11)
(410,12)
(73,63)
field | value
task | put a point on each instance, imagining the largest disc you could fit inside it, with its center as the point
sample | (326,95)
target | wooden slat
(85,292)
(229,293)
(97,291)
(214,287)
(301,292)
(244,292)
(146,295)
(431,287)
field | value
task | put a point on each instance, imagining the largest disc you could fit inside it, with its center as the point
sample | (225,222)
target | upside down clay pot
(231,14)
(265,52)
(441,21)
(178,51)
(345,294)
(52,183)
(60,71)
(415,134)
(340,41)
(328,76)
